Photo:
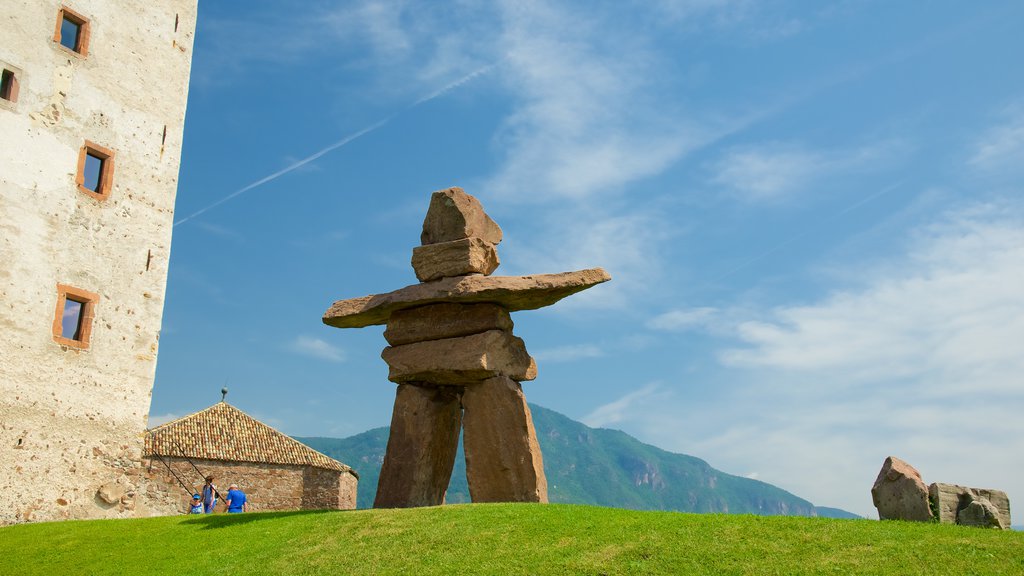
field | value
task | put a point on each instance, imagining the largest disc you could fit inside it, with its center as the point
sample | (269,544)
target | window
(72,31)
(95,170)
(72,322)
(8,85)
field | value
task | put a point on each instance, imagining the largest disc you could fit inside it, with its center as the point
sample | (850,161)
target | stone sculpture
(457,363)
(899,493)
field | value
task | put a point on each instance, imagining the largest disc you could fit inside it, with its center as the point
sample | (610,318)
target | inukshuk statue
(457,364)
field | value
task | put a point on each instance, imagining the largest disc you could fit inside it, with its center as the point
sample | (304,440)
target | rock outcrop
(899,494)
(457,363)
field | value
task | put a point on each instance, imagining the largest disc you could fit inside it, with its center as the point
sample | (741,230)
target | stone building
(275,471)
(92,110)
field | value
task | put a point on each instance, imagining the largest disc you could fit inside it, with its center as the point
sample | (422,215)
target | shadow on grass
(224,520)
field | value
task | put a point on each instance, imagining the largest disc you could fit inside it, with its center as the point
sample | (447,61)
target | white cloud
(317,348)
(624,244)
(587,117)
(1001,147)
(683,319)
(569,353)
(777,171)
(767,173)
(622,409)
(952,308)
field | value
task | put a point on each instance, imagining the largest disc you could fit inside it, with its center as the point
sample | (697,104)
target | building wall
(71,420)
(266,486)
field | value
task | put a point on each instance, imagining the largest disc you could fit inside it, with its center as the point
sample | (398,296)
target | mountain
(601,467)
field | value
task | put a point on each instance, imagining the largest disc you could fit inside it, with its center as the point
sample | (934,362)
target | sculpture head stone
(454,215)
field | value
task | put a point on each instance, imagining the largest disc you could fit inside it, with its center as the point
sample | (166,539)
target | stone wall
(266,486)
(71,417)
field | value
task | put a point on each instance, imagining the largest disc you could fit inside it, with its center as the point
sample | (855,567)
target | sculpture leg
(503,460)
(421,449)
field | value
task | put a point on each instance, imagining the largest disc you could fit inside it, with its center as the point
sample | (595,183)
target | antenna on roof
(223,393)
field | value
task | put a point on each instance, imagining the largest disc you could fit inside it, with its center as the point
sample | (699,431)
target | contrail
(300,163)
(455,84)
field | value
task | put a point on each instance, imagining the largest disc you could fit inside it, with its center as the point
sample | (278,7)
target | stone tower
(92,109)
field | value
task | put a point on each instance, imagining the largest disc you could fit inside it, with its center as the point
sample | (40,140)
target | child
(197,505)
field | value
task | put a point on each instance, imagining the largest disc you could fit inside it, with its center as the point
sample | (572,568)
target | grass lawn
(504,539)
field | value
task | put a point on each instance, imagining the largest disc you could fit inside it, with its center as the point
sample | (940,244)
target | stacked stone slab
(457,364)
(899,493)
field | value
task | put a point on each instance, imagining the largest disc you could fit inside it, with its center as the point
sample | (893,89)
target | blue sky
(812,214)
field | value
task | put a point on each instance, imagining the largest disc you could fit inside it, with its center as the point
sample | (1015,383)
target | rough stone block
(437,321)
(950,500)
(460,361)
(455,258)
(945,499)
(421,449)
(454,215)
(980,513)
(503,458)
(1001,501)
(899,493)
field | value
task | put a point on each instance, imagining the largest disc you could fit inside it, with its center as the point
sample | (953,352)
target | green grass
(504,539)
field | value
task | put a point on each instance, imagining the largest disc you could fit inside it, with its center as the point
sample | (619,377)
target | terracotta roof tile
(223,432)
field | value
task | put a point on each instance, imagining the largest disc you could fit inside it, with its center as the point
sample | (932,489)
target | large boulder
(899,493)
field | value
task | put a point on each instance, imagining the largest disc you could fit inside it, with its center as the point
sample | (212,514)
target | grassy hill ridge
(504,539)
(598,466)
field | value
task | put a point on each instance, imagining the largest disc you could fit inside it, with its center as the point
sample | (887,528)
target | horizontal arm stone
(512,292)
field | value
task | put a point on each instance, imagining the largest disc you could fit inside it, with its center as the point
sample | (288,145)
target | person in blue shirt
(236,500)
(197,505)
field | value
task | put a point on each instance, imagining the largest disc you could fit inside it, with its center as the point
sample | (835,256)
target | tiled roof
(223,432)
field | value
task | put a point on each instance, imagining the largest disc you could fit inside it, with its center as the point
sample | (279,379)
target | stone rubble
(456,362)
(899,493)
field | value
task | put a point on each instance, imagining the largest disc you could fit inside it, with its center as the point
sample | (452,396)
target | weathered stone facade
(73,408)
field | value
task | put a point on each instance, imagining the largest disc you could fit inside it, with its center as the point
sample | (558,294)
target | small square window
(72,31)
(95,170)
(71,319)
(8,85)
(72,323)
